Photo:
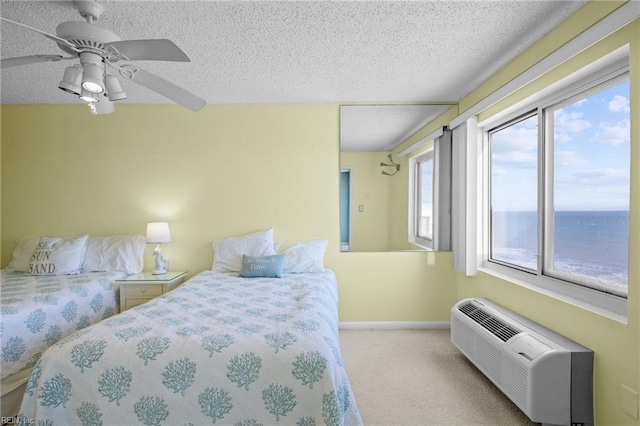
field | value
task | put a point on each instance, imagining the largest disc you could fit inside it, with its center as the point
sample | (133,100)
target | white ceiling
(294,52)
(383,127)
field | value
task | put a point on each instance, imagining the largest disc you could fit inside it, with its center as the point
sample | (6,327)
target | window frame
(548,179)
(512,121)
(594,299)
(442,149)
(416,198)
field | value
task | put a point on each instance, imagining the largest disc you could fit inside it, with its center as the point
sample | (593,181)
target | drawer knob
(143,290)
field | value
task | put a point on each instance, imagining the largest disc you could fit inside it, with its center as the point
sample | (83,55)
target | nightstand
(140,288)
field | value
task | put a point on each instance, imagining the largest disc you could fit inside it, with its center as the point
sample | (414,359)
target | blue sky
(591,156)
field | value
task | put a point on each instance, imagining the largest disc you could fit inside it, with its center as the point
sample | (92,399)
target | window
(430,195)
(558,190)
(588,168)
(514,194)
(423,226)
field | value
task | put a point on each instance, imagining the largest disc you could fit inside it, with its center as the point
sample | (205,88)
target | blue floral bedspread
(218,349)
(37,311)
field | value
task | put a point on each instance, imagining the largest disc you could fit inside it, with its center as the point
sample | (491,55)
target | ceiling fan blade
(47,35)
(146,50)
(26,60)
(162,87)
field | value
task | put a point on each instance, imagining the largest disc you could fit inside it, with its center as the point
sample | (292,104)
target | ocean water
(593,244)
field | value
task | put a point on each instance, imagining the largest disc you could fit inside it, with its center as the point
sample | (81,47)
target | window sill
(420,246)
(607,305)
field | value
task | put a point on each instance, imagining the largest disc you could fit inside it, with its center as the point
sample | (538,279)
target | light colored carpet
(418,377)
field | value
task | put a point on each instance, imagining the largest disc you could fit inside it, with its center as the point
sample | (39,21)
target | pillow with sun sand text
(58,256)
(22,254)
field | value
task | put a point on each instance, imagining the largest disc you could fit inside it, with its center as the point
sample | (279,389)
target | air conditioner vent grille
(495,326)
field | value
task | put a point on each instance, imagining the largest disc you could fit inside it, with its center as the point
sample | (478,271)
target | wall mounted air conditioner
(548,376)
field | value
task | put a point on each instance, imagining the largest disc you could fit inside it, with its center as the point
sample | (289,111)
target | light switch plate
(629,401)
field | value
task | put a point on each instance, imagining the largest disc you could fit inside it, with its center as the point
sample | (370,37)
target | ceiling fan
(100,52)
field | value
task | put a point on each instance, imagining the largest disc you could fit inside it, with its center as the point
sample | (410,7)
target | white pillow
(302,256)
(22,254)
(227,253)
(58,256)
(115,253)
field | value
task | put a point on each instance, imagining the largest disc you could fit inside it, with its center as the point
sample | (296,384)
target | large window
(558,192)
(587,236)
(514,194)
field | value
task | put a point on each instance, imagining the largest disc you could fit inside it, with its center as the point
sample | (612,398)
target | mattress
(218,349)
(37,311)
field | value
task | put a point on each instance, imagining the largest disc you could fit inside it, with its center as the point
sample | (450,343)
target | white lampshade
(71,80)
(88,97)
(92,79)
(158,232)
(114,90)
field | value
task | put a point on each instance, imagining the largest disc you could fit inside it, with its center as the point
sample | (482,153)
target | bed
(37,310)
(221,348)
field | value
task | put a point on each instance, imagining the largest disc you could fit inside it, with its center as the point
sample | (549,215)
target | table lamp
(158,233)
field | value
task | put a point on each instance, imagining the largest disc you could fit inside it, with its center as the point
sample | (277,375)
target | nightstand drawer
(139,288)
(143,290)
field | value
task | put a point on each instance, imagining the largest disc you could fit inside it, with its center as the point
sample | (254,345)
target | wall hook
(393,164)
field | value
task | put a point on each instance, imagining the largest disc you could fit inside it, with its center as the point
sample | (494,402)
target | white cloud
(570,122)
(619,104)
(566,124)
(515,146)
(520,158)
(597,177)
(613,133)
(567,158)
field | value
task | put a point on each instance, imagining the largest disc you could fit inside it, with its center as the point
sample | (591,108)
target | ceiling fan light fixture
(92,78)
(105,106)
(114,90)
(88,96)
(71,80)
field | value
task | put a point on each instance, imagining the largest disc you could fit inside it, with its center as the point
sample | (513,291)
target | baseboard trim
(391,325)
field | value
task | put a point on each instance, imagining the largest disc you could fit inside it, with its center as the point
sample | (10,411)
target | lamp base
(161,263)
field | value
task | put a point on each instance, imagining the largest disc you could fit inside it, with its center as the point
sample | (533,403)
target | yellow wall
(369,189)
(399,198)
(233,169)
(383,225)
(616,345)
(226,170)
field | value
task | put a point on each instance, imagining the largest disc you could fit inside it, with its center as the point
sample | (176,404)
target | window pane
(425,205)
(591,165)
(514,194)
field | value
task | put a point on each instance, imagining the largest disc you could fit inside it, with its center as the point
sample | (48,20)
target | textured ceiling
(290,52)
(383,127)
